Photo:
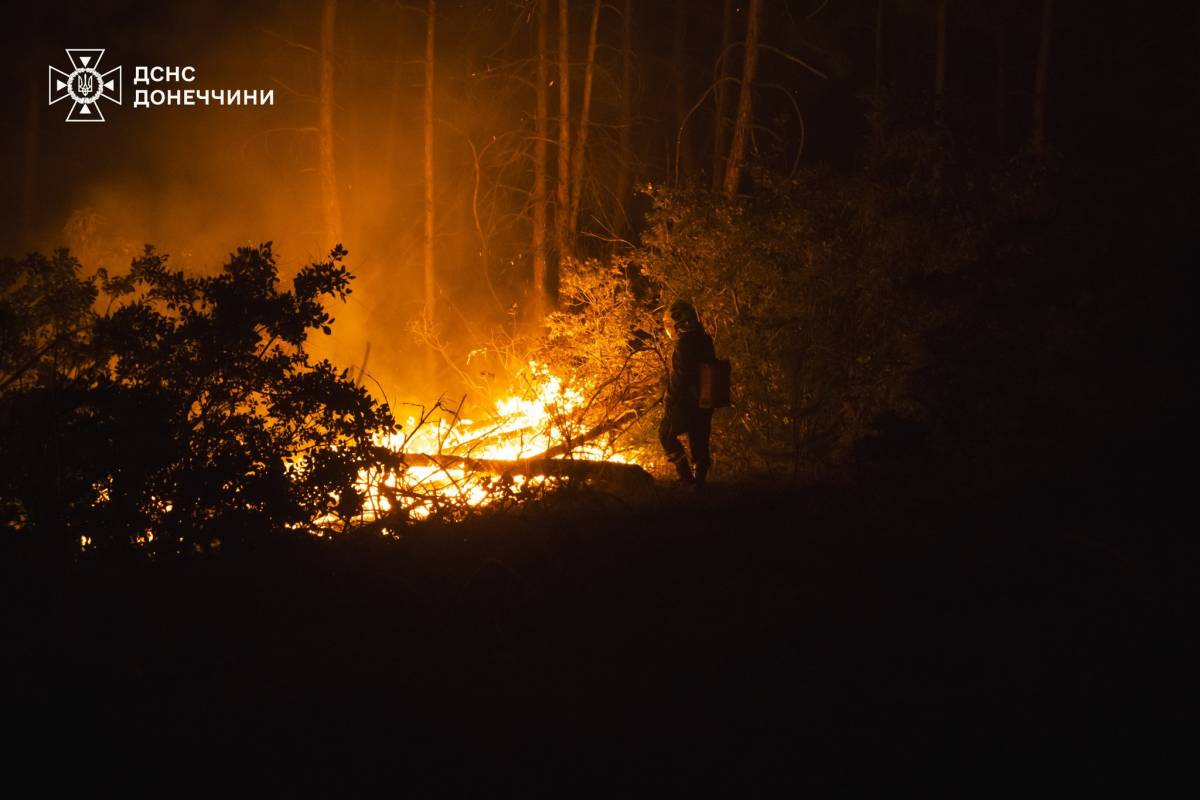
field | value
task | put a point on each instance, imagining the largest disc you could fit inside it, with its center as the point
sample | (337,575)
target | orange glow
(543,418)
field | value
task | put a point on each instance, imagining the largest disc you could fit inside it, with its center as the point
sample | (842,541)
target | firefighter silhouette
(684,414)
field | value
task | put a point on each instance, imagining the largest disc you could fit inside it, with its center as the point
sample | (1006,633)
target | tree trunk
(29,178)
(679,78)
(428,265)
(1001,87)
(585,109)
(741,125)
(939,78)
(328,173)
(879,46)
(562,197)
(541,132)
(1039,88)
(393,124)
(625,157)
(351,128)
(629,476)
(721,96)
(548,462)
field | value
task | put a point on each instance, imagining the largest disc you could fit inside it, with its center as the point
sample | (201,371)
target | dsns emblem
(85,85)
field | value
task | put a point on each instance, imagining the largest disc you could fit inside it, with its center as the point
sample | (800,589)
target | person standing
(683,414)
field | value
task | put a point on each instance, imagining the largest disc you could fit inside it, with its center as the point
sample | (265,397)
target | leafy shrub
(816,289)
(176,412)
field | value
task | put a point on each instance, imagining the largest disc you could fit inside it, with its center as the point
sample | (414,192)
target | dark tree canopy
(175,411)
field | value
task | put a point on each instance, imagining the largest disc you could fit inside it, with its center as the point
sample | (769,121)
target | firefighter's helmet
(680,316)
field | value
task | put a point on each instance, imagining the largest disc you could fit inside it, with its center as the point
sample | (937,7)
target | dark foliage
(932,303)
(184,415)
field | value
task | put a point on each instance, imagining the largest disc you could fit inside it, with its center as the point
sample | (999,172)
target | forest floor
(731,639)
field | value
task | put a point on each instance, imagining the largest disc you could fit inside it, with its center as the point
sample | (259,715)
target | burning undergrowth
(574,410)
(548,433)
(170,413)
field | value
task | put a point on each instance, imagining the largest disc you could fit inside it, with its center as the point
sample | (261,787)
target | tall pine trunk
(562,197)
(427,262)
(679,78)
(745,117)
(721,96)
(326,165)
(585,108)
(939,78)
(541,132)
(393,125)
(625,151)
(1001,86)
(29,177)
(879,7)
(1041,78)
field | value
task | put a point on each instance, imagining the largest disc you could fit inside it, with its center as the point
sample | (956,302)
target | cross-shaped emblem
(85,85)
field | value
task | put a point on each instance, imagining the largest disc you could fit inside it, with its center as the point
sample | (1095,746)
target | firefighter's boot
(685,470)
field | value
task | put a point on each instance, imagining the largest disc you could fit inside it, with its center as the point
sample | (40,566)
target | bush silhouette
(171,412)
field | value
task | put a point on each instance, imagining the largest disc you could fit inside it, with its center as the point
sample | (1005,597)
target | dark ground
(758,635)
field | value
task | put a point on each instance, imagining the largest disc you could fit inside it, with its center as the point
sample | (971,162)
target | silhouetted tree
(540,134)
(721,95)
(1041,78)
(430,282)
(562,196)
(184,416)
(585,108)
(625,131)
(325,140)
(745,118)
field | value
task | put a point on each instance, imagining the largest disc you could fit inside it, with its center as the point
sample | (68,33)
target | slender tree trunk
(562,197)
(721,96)
(328,172)
(428,263)
(1043,71)
(744,119)
(1001,86)
(585,109)
(29,178)
(541,132)
(679,78)
(351,126)
(625,157)
(879,6)
(939,78)
(393,124)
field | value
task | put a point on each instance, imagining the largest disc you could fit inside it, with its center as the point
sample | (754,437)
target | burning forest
(665,372)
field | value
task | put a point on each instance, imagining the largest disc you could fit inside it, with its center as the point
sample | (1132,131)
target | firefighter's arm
(686,372)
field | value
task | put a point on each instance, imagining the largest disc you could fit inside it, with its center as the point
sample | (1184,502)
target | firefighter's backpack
(714,383)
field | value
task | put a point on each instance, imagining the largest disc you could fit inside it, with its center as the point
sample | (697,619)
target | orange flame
(545,418)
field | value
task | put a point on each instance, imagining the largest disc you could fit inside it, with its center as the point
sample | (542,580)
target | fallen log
(594,433)
(610,472)
(500,436)
(548,463)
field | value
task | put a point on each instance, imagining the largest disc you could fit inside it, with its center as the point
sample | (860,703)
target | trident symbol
(86,83)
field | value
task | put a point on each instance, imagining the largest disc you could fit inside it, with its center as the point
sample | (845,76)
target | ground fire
(535,439)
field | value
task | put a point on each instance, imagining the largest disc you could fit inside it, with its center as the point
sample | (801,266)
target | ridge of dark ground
(747,636)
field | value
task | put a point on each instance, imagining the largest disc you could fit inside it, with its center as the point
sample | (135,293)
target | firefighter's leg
(698,435)
(668,436)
